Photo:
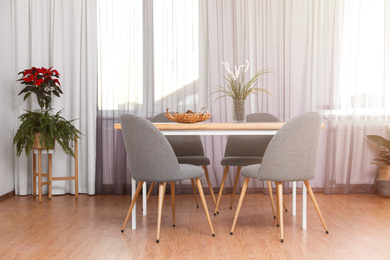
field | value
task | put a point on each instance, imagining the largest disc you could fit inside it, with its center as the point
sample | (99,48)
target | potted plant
(382,159)
(41,129)
(238,90)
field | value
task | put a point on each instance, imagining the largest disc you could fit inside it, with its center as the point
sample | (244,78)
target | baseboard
(187,189)
(7,195)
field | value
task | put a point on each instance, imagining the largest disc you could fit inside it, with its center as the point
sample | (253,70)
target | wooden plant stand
(39,173)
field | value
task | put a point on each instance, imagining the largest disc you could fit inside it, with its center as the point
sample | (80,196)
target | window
(148,55)
(362,58)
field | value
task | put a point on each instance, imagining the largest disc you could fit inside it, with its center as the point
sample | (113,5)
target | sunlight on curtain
(362,63)
(327,56)
(148,61)
(120,55)
(176,53)
(357,96)
(149,56)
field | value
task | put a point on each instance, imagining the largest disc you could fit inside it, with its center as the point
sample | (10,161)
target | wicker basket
(37,143)
(187,117)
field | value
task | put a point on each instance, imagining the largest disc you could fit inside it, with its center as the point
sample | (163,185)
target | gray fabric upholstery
(292,153)
(150,156)
(194,160)
(251,171)
(240,160)
(248,147)
(185,146)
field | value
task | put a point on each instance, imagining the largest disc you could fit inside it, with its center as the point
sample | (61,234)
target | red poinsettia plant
(42,82)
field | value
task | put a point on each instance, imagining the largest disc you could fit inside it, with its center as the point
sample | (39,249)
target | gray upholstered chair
(151,159)
(189,150)
(243,151)
(290,156)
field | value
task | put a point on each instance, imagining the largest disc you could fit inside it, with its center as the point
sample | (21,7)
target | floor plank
(89,228)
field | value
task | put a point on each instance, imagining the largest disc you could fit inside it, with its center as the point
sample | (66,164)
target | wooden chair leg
(284,206)
(243,191)
(269,184)
(194,190)
(309,189)
(206,174)
(203,199)
(150,191)
(277,207)
(221,189)
(161,193)
(173,202)
(137,191)
(279,192)
(235,186)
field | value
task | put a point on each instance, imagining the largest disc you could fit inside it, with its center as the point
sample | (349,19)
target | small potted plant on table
(239,90)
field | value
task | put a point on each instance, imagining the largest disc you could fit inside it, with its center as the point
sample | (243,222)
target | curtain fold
(354,104)
(327,56)
(62,35)
(148,62)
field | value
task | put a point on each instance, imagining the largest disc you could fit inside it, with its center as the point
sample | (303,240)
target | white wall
(6,100)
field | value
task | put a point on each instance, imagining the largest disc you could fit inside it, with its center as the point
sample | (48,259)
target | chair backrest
(183,145)
(250,145)
(149,154)
(292,153)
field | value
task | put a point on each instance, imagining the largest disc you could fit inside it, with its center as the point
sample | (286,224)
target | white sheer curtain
(355,102)
(59,34)
(327,56)
(148,61)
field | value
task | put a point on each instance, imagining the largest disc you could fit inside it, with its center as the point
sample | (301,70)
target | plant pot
(384,173)
(37,144)
(239,111)
(383,187)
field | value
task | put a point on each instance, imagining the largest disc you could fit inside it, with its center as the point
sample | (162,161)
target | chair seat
(190,172)
(194,160)
(240,160)
(251,171)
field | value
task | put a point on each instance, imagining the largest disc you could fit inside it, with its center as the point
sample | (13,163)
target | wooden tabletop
(218,126)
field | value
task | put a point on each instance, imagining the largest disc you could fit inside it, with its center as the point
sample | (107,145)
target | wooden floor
(89,228)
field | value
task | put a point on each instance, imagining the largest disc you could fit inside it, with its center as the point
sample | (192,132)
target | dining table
(206,128)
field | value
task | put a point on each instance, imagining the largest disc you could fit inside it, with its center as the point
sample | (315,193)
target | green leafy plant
(236,87)
(52,128)
(383,157)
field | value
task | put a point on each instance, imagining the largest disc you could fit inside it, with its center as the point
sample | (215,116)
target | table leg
(133,214)
(294,198)
(144,205)
(304,205)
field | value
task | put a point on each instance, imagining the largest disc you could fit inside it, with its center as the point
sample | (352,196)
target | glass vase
(239,111)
